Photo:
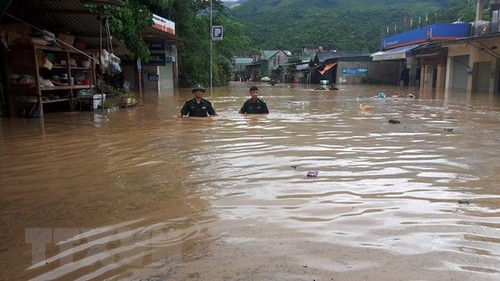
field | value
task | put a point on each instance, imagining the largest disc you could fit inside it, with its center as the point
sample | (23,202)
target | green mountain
(344,25)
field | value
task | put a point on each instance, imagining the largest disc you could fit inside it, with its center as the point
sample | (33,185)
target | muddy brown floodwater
(141,195)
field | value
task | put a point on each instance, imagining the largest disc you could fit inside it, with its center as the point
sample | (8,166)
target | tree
(192,18)
(128,22)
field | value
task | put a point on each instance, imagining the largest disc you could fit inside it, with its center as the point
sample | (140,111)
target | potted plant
(109,103)
(127,98)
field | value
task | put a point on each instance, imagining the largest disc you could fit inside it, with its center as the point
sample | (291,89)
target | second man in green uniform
(254,105)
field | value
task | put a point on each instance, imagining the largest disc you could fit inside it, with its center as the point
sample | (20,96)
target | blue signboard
(355,71)
(424,34)
(156,46)
(158,59)
(217,33)
(157,50)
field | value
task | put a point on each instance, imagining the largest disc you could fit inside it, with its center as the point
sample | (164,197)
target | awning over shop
(394,54)
(327,67)
(302,67)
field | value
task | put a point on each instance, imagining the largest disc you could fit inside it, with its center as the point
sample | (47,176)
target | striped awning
(327,67)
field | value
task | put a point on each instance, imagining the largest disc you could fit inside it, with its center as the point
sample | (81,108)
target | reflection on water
(139,194)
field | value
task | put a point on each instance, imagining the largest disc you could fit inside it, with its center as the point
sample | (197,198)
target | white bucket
(98,99)
(85,64)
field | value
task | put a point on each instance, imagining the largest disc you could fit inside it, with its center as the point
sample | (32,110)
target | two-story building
(459,56)
(402,48)
(268,63)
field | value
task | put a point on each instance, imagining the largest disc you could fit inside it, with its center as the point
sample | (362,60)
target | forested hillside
(346,25)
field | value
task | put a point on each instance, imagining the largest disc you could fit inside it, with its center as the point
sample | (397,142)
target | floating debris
(448,130)
(296,103)
(312,174)
(394,121)
(465,202)
(294,166)
(410,96)
(381,95)
(365,107)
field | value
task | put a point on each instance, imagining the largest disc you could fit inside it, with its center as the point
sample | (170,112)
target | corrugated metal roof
(72,17)
(243,60)
(267,54)
(393,54)
(59,16)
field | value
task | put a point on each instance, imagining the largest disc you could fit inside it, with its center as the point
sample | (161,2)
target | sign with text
(157,50)
(158,59)
(355,71)
(156,46)
(217,32)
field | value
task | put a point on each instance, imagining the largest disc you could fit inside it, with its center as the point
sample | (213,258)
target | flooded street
(139,194)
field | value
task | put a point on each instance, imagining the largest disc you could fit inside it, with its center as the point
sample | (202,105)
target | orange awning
(327,67)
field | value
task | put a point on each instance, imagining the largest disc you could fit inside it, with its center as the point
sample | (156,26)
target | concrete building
(470,63)
(268,63)
(403,47)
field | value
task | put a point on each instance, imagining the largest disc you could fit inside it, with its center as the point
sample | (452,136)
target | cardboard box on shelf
(42,60)
(11,32)
(66,38)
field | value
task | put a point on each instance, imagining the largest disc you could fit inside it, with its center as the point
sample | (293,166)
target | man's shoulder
(257,101)
(205,101)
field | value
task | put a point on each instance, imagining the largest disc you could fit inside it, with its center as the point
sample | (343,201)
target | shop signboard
(424,34)
(355,71)
(157,50)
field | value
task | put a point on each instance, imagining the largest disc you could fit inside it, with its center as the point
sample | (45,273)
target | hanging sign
(157,59)
(217,32)
(157,50)
(354,71)
(156,46)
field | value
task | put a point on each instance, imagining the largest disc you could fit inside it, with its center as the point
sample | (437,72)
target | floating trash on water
(448,130)
(296,103)
(312,174)
(410,96)
(394,121)
(381,95)
(465,202)
(294,166)
(365,107)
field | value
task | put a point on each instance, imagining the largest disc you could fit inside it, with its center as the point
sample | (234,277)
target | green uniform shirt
(259,106)
(194,109)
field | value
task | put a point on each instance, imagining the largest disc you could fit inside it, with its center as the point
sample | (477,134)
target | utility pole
(479,10)
(211,43)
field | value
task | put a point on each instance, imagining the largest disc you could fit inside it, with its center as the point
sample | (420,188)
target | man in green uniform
(198,106)
(254,105)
